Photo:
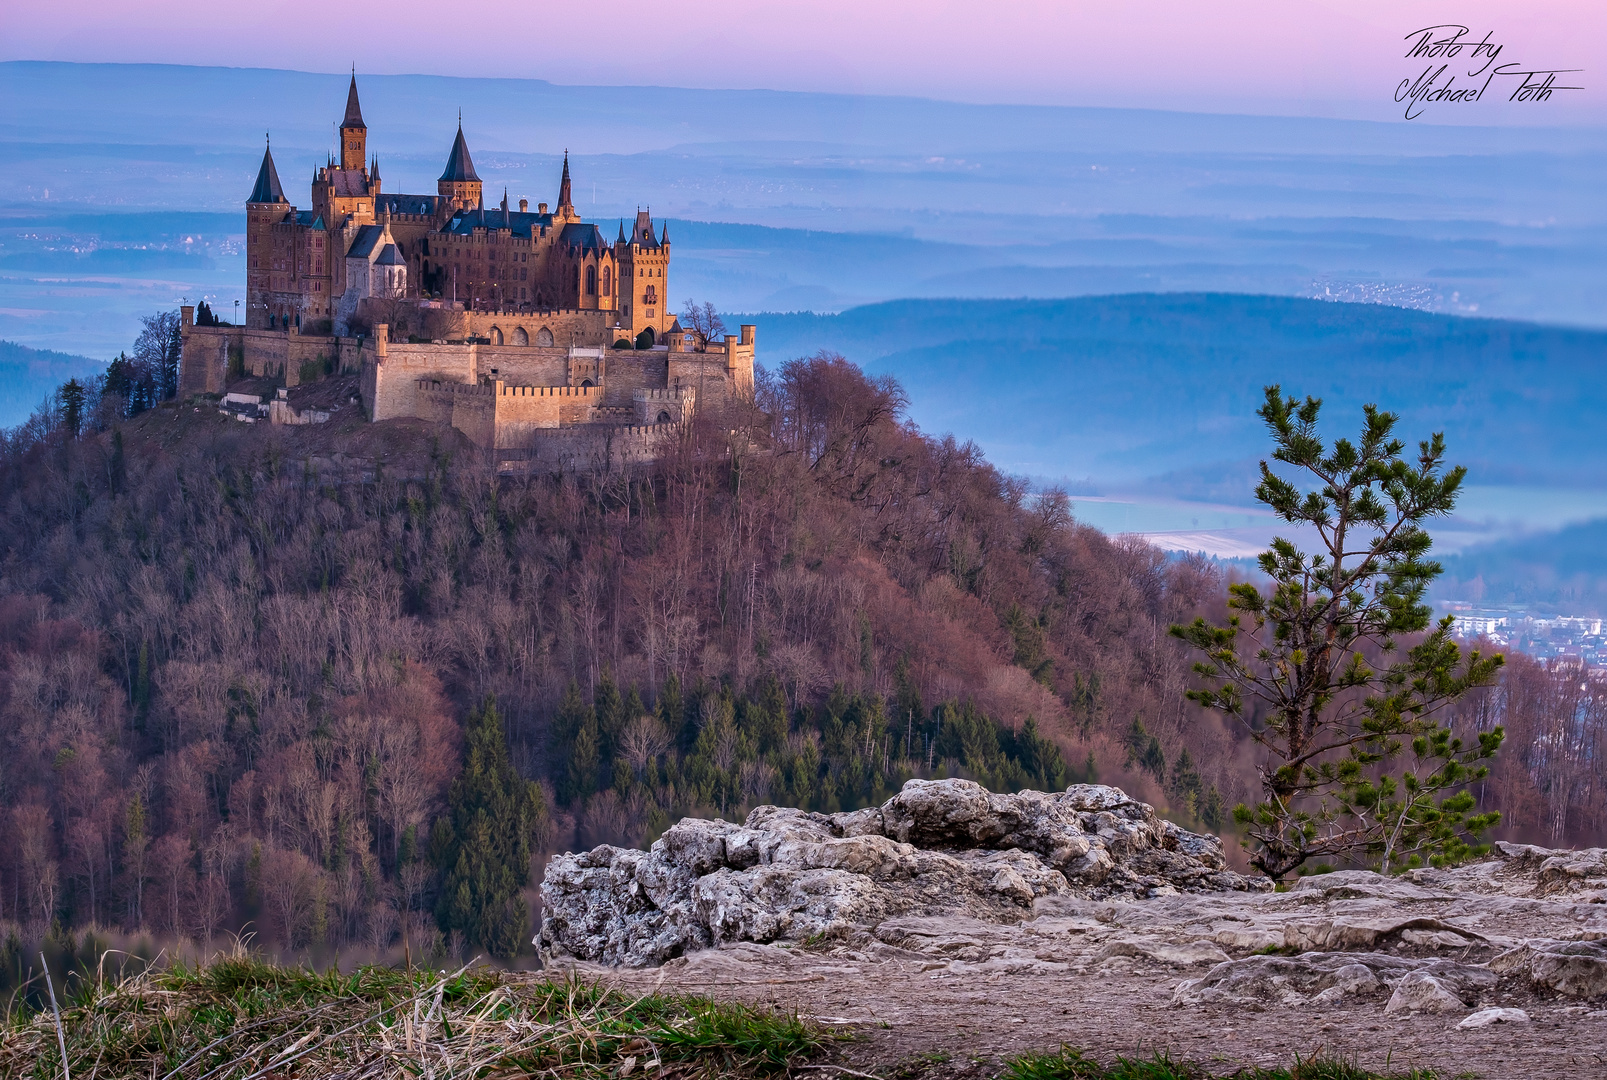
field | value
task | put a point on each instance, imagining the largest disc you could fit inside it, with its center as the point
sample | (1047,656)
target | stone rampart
(523,410)
(392,373)
(565,327)
(594,448)
(662,406)
(209,353)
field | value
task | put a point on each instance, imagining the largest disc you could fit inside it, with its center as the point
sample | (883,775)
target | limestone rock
(1421,992)
(1259,981)
(1577,968)
(1486,1017)
(942,847)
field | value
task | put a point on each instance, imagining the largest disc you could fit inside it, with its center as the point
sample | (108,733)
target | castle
(526,330)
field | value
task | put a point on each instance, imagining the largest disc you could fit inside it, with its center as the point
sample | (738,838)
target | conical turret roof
(563,185)
(459,166)
(267,189)
(354,113)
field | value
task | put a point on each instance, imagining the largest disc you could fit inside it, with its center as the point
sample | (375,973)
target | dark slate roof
(267,189)
(354,114)
(310,220)
(459,166)
(520,223)
(585,236)
(363,243)
(406,204)
(642,232)
(348,183)
(390,257)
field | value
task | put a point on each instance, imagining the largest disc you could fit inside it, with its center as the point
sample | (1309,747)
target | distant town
(1545,637)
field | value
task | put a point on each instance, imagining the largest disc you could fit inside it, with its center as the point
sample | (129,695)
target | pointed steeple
(563,186)
(666,230)
(459,167)
(354,112)
(267,189)
(621,239)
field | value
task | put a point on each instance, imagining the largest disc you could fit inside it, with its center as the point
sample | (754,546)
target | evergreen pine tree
(484,850)
(72,407)
(611,718)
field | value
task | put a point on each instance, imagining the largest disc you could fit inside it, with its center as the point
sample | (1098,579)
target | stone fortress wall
(531,406)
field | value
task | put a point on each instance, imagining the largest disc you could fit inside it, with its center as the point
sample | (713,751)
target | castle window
(591,281)
(608,281)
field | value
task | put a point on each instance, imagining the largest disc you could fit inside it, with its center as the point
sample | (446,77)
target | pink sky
(1319,57)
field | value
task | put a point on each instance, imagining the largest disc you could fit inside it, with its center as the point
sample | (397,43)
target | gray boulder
(938,847)
(1575,968)
(1261,981)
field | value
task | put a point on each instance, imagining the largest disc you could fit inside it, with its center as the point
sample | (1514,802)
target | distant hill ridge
(28,376)
(1132,386)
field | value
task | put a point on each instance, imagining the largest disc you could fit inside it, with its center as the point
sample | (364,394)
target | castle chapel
(308,267)
(544,344)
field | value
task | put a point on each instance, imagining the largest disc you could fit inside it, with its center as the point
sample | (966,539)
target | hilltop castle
(525,329)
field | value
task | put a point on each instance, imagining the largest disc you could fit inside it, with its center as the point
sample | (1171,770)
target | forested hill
(235,669)
(237,661)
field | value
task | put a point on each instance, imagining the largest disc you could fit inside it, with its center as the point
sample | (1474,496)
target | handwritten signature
(1453,42)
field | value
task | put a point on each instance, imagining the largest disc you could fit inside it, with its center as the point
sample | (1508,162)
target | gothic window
(591,281)
(544,338)
(608,281)
(496,336)
(664,417)
(520,337)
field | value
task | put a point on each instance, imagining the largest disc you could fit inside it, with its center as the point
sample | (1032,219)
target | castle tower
(353,132)
(644,267)
(459,185)
(265,207)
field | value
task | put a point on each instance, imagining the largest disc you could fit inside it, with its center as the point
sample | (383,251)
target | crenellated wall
(534,407)
(598,448)
(523,410)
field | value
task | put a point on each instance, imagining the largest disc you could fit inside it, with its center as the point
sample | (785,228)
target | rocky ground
(951,926)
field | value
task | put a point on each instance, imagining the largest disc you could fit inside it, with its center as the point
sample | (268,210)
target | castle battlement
(582,392)
(673,393)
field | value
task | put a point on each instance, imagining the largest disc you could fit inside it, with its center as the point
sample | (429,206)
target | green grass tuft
(237,1016)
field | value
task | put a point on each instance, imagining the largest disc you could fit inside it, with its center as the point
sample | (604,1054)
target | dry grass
(238,1018)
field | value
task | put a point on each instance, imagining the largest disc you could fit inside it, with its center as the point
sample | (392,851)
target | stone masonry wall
(523,410)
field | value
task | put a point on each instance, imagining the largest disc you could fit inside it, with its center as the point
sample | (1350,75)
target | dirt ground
(906,1022)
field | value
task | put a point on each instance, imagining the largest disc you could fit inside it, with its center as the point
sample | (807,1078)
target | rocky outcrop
(937,848)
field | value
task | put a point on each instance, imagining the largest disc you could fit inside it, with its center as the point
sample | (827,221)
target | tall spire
(621,239)
(354,113)
(267,189)
(459,166)
(563,186)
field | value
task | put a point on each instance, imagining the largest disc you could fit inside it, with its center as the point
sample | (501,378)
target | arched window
(496,336)
(591,281)
(664,417)
(585,382)
(608,281)
(520,337)
(544,338)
